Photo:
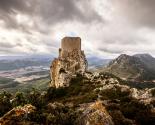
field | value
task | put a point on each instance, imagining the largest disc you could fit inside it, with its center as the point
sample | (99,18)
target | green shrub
(53,93)
(114,93)
(19,99)
(5,104)
(153,92)
(36,99)
(119,119)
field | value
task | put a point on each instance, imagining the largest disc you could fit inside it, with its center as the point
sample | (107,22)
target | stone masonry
(70,60)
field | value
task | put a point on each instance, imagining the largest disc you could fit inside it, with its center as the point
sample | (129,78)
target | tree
(5,104)
(19,99)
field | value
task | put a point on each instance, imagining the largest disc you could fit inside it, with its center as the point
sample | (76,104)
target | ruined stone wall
(68,44)
(71,60)
(71,43)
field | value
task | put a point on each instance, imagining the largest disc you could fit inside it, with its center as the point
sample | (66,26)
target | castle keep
(71,59)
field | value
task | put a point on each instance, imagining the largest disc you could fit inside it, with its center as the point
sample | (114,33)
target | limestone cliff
(71,60)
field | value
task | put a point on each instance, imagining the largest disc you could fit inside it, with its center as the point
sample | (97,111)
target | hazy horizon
(14,57)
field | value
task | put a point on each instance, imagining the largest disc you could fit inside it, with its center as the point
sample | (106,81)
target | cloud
(111,51)
(107,28)
(138,12)
(56,11)
(47,11)
(10,8)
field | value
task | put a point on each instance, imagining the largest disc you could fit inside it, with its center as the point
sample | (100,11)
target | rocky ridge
(135,67)
(91,99)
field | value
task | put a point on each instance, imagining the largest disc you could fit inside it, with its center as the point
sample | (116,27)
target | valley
(24,79)
(25,73)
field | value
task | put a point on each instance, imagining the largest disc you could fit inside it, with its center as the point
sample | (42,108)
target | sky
(107,28)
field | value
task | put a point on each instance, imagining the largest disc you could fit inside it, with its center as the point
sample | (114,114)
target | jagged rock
(71,60)
(95,114)
(17,115)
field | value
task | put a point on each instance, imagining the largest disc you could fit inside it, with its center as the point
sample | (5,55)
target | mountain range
(96,62)
(140,67)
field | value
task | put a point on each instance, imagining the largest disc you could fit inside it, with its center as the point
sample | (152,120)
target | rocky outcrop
(95,114)
(17,115)
(71,60)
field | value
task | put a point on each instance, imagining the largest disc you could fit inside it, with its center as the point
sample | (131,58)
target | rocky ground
(91,99)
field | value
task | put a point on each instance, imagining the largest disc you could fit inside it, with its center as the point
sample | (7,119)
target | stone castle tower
(71,60)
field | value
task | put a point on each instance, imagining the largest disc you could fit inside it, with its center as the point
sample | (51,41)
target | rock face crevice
(71,59)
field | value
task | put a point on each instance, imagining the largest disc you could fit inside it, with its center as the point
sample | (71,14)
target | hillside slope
(138,67)
(94,99)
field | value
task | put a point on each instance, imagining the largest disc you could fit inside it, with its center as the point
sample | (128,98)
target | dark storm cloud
(9,8)
(139,12)
(39,23)
(49,11)
(55,11)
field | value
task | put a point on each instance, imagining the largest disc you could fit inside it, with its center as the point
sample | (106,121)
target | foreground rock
(17,115)
(71,59)
(95,114)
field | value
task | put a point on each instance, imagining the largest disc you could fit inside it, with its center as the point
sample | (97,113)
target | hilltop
(140,67)
(77,96)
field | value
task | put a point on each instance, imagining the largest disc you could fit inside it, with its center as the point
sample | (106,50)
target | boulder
(17,115)
(95,114)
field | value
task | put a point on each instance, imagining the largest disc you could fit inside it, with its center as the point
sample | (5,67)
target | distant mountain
(95,62)
(17,62)
(22,57)
(147,59)
(136,67)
